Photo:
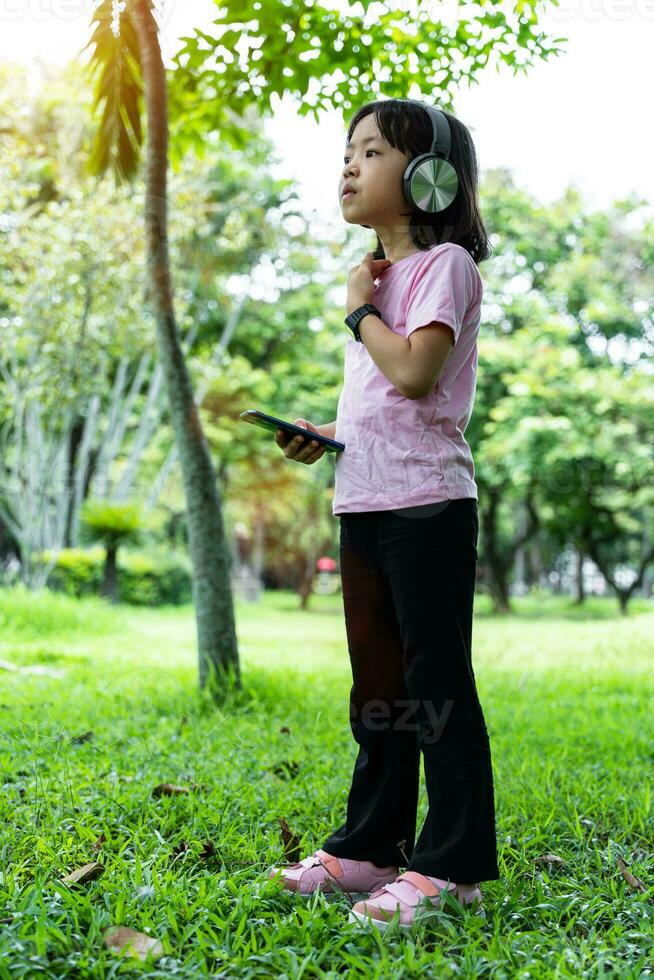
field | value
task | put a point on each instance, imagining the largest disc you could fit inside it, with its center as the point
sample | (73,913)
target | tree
(263,49)
(78,375)
(112,524)
(121,59)
(561,429)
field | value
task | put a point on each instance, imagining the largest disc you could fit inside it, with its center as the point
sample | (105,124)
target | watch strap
(356,316)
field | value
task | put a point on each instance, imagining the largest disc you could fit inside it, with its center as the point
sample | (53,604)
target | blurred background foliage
(563,424)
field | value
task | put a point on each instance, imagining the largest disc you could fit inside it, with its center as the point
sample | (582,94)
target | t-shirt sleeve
(444,289)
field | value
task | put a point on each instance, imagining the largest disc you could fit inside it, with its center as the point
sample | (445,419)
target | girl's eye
(345,159)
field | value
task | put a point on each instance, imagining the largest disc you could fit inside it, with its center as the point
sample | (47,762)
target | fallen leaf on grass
(291,842)
(287,770)
(84,737)
(88,872)
(208,850)
(631,878)
(97,844)
(169,789)
(550,859)
(137,943)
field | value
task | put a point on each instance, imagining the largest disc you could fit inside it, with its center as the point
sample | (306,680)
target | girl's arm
(412,364)
(328,429)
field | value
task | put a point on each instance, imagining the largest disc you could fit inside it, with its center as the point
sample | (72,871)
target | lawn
(567,695)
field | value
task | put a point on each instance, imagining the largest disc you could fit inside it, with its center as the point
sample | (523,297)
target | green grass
(567,695)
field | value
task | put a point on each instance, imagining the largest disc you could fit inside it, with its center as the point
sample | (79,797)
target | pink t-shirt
(403,452)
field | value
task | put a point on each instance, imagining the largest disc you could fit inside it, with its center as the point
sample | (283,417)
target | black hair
(408,128)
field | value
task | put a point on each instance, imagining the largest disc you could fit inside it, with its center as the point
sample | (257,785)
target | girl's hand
(360,283)
(299,448)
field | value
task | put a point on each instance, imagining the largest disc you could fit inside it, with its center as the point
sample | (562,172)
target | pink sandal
(411,893)
(325,872)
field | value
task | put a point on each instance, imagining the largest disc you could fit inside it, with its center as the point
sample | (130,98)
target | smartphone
(272,423)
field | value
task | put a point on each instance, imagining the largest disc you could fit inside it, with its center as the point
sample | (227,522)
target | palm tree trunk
(217,645)
(580,593)
(109,587)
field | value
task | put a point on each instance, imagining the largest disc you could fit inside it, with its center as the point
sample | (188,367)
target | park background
(101,641)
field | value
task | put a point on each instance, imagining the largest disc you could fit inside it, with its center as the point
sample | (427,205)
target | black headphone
(430,181)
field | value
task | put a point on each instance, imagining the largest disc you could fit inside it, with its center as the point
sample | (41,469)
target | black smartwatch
(356,316)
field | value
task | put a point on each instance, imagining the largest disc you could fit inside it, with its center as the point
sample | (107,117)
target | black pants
(408,592)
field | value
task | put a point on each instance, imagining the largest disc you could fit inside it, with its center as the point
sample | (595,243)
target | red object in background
(326,564)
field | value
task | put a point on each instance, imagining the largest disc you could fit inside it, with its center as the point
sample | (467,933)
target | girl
(407,500)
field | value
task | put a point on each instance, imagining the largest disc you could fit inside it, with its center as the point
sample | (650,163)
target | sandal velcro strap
(332,863)
(407,895)
(421,882)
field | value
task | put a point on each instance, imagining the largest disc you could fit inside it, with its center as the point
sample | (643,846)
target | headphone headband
(441,142)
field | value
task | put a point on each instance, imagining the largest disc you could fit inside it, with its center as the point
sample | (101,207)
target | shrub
(144,579)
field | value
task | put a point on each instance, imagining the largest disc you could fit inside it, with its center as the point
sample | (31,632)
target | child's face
(375,170)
